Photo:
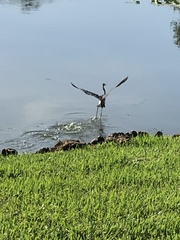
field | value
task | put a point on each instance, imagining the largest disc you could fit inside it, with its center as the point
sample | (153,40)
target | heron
(101,98)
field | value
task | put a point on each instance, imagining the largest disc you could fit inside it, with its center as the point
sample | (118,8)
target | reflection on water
(86,42)
(26,5)
(166,2)
(176,28)
(175,24)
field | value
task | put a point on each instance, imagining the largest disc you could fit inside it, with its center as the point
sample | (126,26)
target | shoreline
(68,144)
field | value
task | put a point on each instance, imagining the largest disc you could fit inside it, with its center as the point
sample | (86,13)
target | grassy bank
(103,192)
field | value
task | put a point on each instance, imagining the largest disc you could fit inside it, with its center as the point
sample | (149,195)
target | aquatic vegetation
(106,191)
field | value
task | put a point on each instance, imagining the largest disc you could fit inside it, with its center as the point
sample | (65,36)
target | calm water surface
(45,45)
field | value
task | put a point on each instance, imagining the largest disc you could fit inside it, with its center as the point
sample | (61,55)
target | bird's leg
(97,111)
(101,112)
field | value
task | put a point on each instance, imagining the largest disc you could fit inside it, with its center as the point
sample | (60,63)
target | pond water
(46,45)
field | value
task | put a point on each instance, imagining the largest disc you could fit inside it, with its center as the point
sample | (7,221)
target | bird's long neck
(104,89)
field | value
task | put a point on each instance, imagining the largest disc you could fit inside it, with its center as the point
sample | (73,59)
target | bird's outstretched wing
(87,92)
(119,84)
(123,81)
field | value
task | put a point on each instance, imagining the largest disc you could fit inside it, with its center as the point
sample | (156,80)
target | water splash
(83,130)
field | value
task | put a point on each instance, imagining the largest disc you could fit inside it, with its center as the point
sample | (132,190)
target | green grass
(103,192)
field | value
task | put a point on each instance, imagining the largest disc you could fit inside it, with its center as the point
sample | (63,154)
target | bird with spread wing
(101,98)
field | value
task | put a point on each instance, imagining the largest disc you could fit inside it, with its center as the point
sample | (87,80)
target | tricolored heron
(101,98)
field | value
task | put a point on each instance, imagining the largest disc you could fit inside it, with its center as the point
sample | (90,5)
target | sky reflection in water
(45,48)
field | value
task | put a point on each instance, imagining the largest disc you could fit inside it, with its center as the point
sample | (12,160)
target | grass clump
(103,192)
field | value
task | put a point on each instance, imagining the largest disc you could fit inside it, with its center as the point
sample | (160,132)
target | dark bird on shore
(101,98)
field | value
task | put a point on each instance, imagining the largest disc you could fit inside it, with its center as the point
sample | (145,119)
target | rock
(118,137)
(140,133)
(67,145)
(127,135)
(44,150)
(133,133)
(97,140)
(176,135)
(114,136)
(9,151)
(159,134)
(123,139)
